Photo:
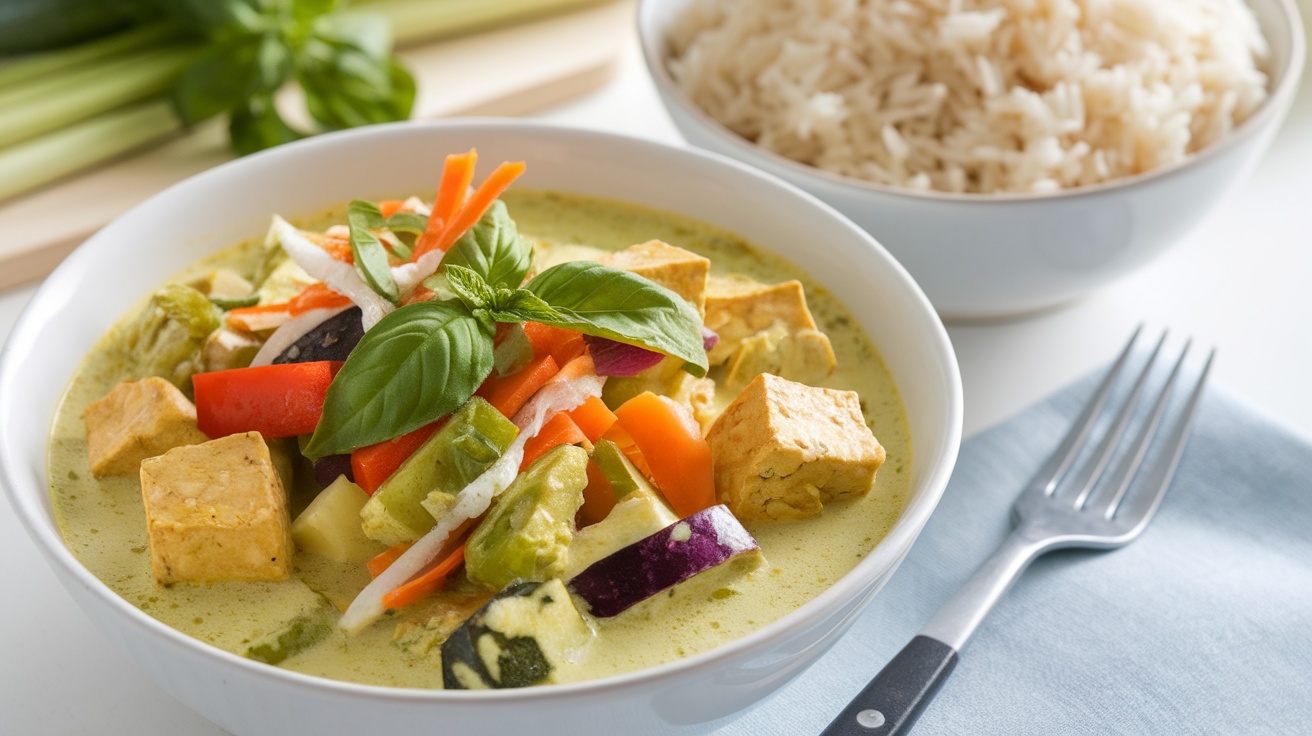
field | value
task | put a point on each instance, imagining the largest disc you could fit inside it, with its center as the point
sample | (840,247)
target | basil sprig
(424,360)
(371,258)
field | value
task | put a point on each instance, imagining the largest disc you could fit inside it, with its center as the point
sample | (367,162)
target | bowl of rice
(1012,154)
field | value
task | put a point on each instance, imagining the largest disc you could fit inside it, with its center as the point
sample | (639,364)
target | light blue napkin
(1202,625)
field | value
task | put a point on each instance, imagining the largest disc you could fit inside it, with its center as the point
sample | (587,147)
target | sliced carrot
(371,465)
(457,173)
(680,460)
(425,583)
(508,393)
(476,205)
(593,417)
(339,249)
(316,296)
(383,560)
(389,207)
(598,496)
(562,344)
(420,294)
(559,430)
(621,438)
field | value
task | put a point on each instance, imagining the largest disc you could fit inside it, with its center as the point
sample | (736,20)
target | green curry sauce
(103,521)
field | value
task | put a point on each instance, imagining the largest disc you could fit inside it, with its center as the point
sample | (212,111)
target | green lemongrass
(94,52)
(42,160)
(85,94)
(416,21)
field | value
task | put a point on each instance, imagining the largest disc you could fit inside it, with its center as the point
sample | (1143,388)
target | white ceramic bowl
(979,256)
(126,260)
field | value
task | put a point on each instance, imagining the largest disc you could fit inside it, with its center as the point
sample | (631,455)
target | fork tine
(1105,500)
(1145,502)
(1083,482)
(1045,480)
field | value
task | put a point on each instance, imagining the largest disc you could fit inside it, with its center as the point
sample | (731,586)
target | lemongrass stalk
(101,50)
(76,147)
(415,21)
(86,94)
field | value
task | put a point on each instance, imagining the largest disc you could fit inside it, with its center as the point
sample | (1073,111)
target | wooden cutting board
(511,71)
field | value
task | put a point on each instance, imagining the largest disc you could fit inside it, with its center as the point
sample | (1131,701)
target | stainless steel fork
(1099,505)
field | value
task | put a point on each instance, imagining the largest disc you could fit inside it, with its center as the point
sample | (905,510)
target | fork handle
(893,701)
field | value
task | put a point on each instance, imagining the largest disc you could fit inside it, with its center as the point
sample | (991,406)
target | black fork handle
(894,700)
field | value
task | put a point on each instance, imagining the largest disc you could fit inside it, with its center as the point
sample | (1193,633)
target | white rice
(974,95)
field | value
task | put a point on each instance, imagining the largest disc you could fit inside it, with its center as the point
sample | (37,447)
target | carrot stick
(425,583)
(508,393)
(580,366)
(476,205)
(671,442)
(384,559)
(371,465)
(593,418)
(598,496)
(563,345)
(457,173)
(559,430)
(314,296)
(389,207)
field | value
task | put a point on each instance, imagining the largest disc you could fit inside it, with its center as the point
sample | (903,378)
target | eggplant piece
(707,540)
(333,339)
(329,467)
(518,639)
(637,516)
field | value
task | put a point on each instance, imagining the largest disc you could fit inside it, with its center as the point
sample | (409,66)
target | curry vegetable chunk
(137,420)
(765,328)
(782,449)
(216,511)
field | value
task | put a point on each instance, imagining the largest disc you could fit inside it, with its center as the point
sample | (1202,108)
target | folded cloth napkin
(1202,625)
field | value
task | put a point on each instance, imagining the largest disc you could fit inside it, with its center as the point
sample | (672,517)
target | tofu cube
(678,270)
(137,420)
(746,314)
(217,511)
(782,449)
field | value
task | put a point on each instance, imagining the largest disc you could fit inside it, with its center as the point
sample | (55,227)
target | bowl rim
(653,45)
(30,499)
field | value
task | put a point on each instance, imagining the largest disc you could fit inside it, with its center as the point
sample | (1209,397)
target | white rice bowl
(974,96)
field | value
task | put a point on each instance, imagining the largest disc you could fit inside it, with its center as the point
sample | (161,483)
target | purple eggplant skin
(656,563)
(333,339)
(328,467)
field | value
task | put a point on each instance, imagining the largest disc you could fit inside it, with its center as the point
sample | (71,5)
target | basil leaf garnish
(493,249)
(470,288)
(599,300)
(370,255)
(417,364)
(407,222)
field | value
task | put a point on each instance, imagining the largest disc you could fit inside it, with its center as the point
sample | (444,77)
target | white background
(1242,282)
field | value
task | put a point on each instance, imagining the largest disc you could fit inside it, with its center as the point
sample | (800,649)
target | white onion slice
(339,276)
(473,499)
(291,331)
(409,275)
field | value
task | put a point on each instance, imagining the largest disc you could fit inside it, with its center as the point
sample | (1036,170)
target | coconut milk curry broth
(105,524)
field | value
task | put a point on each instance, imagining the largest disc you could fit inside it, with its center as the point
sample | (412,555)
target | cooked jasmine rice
(974,95)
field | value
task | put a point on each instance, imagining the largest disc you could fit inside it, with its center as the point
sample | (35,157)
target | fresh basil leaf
(620,305)
(407,222)
(368,32)
(493,249)
(214,17)
(308,10)
(346,87)
(256,125)
(418,363)
(221,77)
(273,63)
(470,288)
(370,255)
(522,305)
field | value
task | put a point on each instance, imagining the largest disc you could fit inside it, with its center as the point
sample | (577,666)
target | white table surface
(1242,282)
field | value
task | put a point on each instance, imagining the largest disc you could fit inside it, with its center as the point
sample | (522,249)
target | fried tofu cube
(805,356)
(678,270)
(137,420)
(217,511)
(783,449)
(739,308)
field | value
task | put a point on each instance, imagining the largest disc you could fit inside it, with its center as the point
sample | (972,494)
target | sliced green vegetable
(370,255)
(624,476)
(473,439)
(301,633)
(526,533)
(168,336)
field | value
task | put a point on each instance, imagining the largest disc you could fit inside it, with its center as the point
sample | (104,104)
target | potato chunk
(783,449)
(217,511)
(137,420)
(765,328)
(678,270)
